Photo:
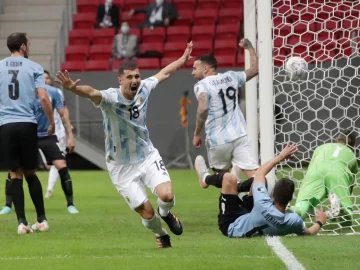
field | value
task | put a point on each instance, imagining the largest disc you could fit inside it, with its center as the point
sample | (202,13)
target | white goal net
(314,111)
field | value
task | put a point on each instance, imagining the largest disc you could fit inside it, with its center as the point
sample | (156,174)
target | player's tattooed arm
(202,112)
(65,117)
(82,91)
(254,66)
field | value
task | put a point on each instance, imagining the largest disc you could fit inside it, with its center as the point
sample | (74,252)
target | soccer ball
(296,68)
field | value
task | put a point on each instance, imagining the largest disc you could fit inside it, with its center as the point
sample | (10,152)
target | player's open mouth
(133,88)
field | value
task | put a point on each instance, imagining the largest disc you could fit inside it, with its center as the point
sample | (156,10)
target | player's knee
(167,196)
(164,192)
(28,173)
(229,180)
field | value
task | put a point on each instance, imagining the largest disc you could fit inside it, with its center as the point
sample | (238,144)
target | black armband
(319,222)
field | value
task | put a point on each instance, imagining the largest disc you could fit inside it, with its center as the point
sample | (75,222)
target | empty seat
(139,18)
(148,63)
(174,49)
(203,33)
(84,20)
(324,55)
(202,47)
(132,4)
(80,36)
(153,35)
(84,6)
(116,64)
(225,47)
(186,18)
(230,16)
(226,61)
(167,60)
(208,4)
(184,4)
(205,16)
(152,49)
(279,57)
(227,31)
(76,53)
(97,65)
(235,4)
(344,46)
(73,66)
(240,59)
(178,33)
(103,36)
(100,52)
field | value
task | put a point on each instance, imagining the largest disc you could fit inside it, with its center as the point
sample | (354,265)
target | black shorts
(231,207)
(19,145)
(50,147)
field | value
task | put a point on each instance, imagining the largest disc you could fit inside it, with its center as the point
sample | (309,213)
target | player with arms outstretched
(218,110)
(331,173)
(20,81)
(132,161)
(258,214)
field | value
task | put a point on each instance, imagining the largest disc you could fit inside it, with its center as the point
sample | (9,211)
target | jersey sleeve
(240,76)
(58,103)
(61,96)
(260,195)
(200,88)
(297,224)
(107,99)
(149,84)
(39,77)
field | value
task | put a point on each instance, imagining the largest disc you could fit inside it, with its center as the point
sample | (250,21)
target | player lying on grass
(257,214)
(331,173)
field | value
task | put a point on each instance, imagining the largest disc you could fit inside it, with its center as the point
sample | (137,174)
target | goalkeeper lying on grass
(331,173)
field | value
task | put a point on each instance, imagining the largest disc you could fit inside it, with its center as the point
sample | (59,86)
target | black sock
(66,185)
(215,180)
(246,185)
(17,193)
(8,197)
(36,194)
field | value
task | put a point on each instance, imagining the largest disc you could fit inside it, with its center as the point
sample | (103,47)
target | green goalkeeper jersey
(336,157)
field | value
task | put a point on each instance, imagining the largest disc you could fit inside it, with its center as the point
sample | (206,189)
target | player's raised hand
(245,43)
(288,151)
(66,81)
(187,53)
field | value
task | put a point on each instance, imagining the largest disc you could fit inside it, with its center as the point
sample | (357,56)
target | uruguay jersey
(126,135)
(42,120)
(225,122)
(265,218)
(59,127)
(19,79)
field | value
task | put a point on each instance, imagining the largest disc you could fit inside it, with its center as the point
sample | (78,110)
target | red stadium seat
(152,49)
(134,20)
(324,55)
(167,60)
(80,37)
(148,63)
(73,66)
(205,16)
(184,4)
(178,33)
(279,57)
(230,16)
(84,20)
(344,46)
(226,61)
(203,33)
(208,4)
(225,47)
(97,65)
(84,6)
(186,18)
(233,4)
(103,36)
(132,4)
(116,64)
(174,49)
(100,52)
(76,53)
(153,35)
(202,47)
(136,32)
(227,31)
(240,60)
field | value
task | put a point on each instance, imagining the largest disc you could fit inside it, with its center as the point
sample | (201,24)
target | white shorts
(238,152)
(131,180)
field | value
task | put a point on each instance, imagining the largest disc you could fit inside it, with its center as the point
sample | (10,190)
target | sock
(154,225)
(246,185)
(214,180)
(17,193)
(235,170)
(165,207)
(53,176)
(36,194)
(66,185)
(8,197)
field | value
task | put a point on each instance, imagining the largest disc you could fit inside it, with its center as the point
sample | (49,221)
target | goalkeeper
(331,173)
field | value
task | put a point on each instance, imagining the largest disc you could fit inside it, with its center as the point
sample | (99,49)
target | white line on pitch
(283,253)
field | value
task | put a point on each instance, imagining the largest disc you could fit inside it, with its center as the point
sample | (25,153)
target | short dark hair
(348,137)
(283,191)
(15,40)
(127,65)
(208,59)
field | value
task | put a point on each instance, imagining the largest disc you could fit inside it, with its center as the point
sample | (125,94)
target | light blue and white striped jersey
(127,138)
(59,127)
(41,118)
(225,122)
(19,78)
(265,218)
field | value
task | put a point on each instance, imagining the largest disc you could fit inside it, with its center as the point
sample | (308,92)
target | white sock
(53,176)
(235,170)
(154,225)
(164,207)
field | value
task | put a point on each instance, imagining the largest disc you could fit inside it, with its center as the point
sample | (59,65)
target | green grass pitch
(108,235)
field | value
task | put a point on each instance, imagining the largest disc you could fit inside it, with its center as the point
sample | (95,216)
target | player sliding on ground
(257,214)
(218,110)
(132,161)
(331,173)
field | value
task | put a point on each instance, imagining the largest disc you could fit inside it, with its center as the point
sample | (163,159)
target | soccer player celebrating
(227,142)
(331,173)
(132,161)
(258,214)
(21,80)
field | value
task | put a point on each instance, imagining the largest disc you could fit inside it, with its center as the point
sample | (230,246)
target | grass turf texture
(108,235)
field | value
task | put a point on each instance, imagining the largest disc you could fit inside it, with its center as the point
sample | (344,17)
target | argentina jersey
(19,79)
(59,127)
(127,138)
(41,118)
(225,122)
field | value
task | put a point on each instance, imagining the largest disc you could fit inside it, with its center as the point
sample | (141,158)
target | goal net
(314,111)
